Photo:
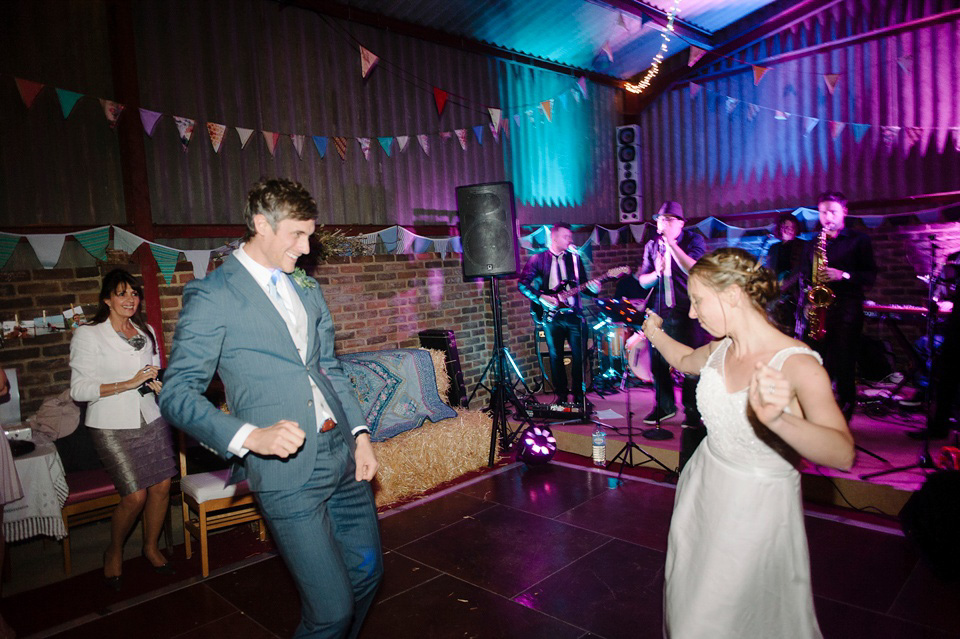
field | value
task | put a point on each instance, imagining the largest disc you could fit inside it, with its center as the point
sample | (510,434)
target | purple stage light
(537,446)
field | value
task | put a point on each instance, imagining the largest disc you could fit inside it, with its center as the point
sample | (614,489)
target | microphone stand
(657,433)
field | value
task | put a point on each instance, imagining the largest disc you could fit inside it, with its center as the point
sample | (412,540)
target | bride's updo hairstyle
(722,267)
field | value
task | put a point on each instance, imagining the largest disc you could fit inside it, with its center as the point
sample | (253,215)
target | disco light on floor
(537,446)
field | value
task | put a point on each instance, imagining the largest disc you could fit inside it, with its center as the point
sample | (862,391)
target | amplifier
(554,411)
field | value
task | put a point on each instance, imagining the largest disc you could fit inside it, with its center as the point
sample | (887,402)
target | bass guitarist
(543,279)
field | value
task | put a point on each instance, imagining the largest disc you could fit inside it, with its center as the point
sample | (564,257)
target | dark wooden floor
(554,551)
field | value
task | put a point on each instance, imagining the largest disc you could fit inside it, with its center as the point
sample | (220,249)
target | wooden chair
(216,504)
(92,497)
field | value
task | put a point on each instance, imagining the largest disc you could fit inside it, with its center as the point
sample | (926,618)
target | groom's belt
(327,425)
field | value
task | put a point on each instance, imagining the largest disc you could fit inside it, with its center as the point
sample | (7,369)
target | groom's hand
(366,459)
(281,440)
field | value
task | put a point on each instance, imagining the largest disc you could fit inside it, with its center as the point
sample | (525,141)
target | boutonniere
(302,279)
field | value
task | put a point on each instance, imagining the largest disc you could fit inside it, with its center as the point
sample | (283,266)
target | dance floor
(558,550)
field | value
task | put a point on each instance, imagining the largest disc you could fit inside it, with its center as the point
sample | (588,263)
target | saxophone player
(851,269)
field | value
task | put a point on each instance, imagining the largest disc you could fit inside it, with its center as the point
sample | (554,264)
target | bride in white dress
(737,559)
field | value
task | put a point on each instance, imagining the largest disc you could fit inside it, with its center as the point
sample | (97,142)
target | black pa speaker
(628,172)
(488,229)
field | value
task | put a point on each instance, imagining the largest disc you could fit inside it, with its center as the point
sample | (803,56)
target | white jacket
(99,356)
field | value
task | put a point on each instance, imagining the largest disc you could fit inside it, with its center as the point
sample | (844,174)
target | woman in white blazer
(111,359)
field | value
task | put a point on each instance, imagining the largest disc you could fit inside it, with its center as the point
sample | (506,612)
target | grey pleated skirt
(136,458)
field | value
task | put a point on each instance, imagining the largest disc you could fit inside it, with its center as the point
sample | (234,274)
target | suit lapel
(240,280)
(311,311)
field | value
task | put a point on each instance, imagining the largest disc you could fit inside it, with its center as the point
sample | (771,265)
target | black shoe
(658,415)
(114,583)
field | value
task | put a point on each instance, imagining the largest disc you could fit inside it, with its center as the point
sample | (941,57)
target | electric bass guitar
(564,295)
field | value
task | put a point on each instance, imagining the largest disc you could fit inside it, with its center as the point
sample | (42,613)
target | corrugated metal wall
(258,65)
(719,161)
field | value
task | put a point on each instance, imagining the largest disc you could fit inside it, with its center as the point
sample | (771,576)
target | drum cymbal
(622,310)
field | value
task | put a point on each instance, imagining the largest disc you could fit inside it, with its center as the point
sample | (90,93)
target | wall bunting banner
(365,147)
(149,120)
(271,139)
(47,247)
(94,241)
(216,133)
(367,61)
(200,260)
(402,141)
(8,242)
(166,258)
(297,144)
(320,142)
(462,138)
(185,129)
(112,111)
(68,100)
(386,143)
(28,90)
(244,136)
(126,241)
(441,98)
(424,144)
(478,132)
(340,144)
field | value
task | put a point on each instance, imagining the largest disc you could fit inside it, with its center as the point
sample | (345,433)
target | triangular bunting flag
(340,144)
(166,258)
(216,133)
(200,260)
(446,135)
(478,132)
(576,95)
(94,241)
(271,139)
(462,138)
(835,128)
(607,51)
(859,130)
(386,143)
(809,124)
(149,120)
(297,140)
(68,99)
(694,89)
(622,22)
(495,115)
(731,105)
(28,90)
(505,127)
(831,79)
(367,61)
(365,147)
(402,141)
(752,111)
(516,119)
(495,132)
(547,106)
(888,135)
(424,143)
(244,136)
(905,62)
(47,246)
(758,73)
(780,115)
(185,129)
(911,135)
(530,116)
(695,54)
(441,98)
(112,111)
(563,100)
(320,142)
(8,242)
(126,241)
(582,83)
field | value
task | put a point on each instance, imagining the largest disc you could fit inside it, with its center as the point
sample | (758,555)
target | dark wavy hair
(787,218)
(114,282)
(278,199)
(722,267)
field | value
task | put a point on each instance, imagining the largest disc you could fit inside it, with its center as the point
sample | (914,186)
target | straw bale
(416,461)
(440,371)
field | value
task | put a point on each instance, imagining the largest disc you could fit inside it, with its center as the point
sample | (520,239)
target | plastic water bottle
(599,447)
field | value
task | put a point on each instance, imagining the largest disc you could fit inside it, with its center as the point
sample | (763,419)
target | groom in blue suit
(294,424)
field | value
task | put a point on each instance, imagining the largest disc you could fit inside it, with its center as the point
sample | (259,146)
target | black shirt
(692,244)
(850,251)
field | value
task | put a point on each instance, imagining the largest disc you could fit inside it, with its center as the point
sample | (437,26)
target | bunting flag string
(149,120)
(386,144)
(94,241)
(68,100)
(367,61)
(271,139)
(402,141)
(8,242)
(216,133)
(166,259)
(320,142)
(28,90)
(297,143)
(245,135)
(185,128)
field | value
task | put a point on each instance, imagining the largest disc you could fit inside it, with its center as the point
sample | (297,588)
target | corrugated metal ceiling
(569,32)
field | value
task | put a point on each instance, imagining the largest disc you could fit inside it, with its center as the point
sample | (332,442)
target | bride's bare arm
(686,359)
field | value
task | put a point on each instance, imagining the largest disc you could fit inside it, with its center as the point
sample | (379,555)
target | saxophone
(819,296)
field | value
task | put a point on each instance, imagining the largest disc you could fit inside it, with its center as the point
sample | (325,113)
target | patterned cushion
(397,390)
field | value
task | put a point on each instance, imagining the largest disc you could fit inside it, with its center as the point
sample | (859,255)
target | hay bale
(440,371)
(416,461)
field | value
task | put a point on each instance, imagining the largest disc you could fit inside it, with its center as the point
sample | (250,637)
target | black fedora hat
(670,209)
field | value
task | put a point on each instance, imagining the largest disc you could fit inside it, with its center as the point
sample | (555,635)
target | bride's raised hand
(769,393)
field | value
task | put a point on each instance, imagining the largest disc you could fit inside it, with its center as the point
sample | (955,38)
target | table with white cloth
(44,493)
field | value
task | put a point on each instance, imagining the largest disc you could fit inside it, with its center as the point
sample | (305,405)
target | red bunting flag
(505,127)
(271,139)
(28,90)
(758,73)
(367,61)
(831,79)
(462,138)
(216,133)
(547,106)
(835,128)
(441,97)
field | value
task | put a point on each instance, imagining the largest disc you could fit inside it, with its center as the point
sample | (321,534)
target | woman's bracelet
(116,388)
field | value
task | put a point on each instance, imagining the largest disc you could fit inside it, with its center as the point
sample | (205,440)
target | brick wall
(383,301)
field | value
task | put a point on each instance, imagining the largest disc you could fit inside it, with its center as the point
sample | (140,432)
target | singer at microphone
(667,258)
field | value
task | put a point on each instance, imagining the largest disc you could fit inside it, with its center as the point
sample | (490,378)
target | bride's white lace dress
(737,559)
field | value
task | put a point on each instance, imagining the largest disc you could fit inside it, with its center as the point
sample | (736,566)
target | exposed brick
(81,285)
(54,274)
(56,301)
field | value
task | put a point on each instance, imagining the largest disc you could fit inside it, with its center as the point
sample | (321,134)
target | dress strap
(781,356)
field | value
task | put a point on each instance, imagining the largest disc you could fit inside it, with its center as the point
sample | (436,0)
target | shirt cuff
(236,444)
(360,430)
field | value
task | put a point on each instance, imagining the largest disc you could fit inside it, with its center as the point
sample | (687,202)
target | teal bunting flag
(321,143)
(95,241)
(166,258)
(386,143)
(68,99)
(7,244)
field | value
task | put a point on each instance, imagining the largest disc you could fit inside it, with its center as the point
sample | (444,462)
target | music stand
(924,458)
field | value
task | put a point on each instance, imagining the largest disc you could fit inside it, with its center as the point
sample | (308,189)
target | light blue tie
(274,291)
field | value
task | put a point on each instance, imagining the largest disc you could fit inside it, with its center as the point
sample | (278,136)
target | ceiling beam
(792,14)
(428,34)
(682,28)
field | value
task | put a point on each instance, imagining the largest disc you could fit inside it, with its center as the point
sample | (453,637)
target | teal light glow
(549,163)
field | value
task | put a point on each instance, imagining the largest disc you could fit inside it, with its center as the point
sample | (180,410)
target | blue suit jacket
(228,325)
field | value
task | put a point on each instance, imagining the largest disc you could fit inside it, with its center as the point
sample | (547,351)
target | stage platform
(885,436)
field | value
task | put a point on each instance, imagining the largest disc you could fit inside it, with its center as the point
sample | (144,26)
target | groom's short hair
(278,199)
